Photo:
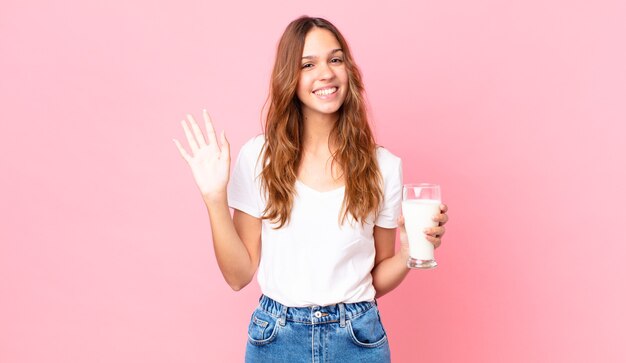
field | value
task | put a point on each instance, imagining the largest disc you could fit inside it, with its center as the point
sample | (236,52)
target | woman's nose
(325,72)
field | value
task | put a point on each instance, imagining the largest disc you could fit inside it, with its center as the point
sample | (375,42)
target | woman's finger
(196,131)
(190,139)
(225,146)
(182,151)
(434,240)
(401,226)
(435,231)
(441,218)
(209,128)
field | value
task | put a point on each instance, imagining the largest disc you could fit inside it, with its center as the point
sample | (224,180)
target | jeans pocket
(262,328)
(366,330)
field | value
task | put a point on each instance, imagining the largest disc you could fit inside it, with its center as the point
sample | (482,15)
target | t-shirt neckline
(332,191)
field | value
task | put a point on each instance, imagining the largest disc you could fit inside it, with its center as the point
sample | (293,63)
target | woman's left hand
(434,234)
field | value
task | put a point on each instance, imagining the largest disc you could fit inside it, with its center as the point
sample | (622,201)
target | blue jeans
(316,334)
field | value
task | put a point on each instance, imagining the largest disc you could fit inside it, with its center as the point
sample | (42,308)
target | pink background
(516,108)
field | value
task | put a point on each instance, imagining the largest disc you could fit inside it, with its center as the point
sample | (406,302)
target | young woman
(316,206)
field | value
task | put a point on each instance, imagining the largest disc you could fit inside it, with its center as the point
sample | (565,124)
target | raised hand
(209,163)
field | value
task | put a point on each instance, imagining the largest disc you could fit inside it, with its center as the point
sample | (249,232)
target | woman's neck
(316,133)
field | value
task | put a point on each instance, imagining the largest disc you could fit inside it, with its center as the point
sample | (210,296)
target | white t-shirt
(313,260)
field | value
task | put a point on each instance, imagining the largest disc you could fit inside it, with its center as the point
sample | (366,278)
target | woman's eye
(307,65)
(336,60)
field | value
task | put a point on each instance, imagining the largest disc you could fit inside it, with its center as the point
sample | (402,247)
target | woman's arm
(389,268)
(236,242)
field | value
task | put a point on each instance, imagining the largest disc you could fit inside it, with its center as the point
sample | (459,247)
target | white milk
(418,214)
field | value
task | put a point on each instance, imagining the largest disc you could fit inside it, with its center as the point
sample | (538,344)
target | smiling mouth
(325,91)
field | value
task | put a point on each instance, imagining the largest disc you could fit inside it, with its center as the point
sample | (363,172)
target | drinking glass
(420,203)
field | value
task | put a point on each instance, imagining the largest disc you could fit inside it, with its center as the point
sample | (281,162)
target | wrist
(215,198)
(403,257)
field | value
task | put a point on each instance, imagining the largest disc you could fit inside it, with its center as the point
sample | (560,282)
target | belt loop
(283,316)
(342,315)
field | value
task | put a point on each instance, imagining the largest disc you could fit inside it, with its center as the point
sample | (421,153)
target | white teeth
(325,92)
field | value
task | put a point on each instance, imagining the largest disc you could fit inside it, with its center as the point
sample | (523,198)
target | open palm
(209,163)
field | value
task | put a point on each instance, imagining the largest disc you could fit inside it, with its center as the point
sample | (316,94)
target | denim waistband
(315,314)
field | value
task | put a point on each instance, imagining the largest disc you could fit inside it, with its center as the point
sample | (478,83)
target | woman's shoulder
(390,167)
(255,141)
(253,147)
(386,159)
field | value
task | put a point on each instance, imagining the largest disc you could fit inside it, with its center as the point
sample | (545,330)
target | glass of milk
(420,203)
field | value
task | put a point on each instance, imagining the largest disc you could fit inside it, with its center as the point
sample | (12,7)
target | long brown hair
(356,152)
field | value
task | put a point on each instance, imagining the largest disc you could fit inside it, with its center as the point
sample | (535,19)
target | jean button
(318,314)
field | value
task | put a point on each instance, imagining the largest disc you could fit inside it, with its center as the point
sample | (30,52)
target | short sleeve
(391,168)
(243,188)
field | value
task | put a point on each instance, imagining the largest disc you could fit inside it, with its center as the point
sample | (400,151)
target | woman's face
(323,82)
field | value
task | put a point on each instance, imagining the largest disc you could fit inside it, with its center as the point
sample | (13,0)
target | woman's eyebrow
(315,57)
